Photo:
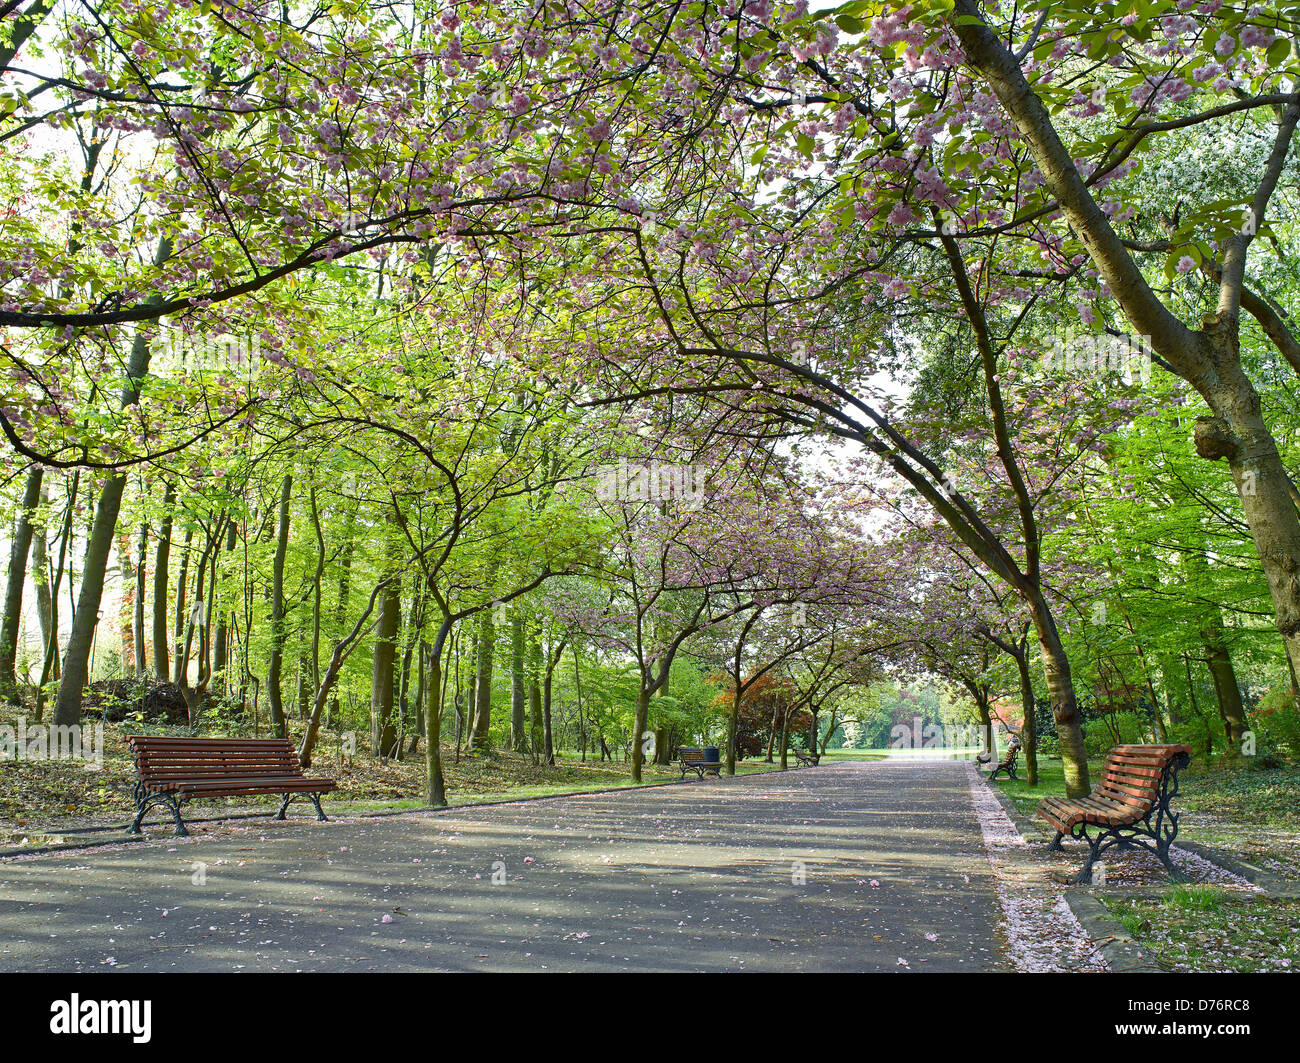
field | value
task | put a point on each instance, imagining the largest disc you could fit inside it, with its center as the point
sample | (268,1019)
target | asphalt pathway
(847,867)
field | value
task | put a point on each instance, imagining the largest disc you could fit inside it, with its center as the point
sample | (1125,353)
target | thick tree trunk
(1238,433)
(17,577)
(640,720)
(1065,710)
(76,655)
(1226,688)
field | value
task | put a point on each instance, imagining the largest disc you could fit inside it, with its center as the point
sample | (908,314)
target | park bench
(1130,804)
(1007,763)
(691,758)
(803,757)
(171,771)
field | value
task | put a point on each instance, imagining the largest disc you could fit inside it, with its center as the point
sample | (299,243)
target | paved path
(696,877)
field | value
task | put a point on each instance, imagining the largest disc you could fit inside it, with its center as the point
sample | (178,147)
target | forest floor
(1221,922)
(40,798)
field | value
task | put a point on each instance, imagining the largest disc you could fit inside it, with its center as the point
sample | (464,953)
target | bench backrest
(1133,775)
(691,755)
(159,758)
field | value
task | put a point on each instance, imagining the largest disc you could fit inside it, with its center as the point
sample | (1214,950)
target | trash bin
(711,755)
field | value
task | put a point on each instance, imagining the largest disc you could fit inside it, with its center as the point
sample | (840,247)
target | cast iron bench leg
(144,803)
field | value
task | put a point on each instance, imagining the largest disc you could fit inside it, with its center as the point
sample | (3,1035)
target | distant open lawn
(40,796)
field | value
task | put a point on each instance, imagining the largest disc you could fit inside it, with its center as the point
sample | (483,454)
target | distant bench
(1130,803)
(171,771)
(804,758)
(1007,763)
(691,758)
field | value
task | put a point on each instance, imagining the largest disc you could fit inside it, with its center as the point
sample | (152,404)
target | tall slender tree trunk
(161,656)
(181,658)
(76,658)
(274,698)
(17,577)
(518,740)
(535,694)
(483,682)
(126,603)
(383,732)
(1029,733)
(141,581)
(224,614)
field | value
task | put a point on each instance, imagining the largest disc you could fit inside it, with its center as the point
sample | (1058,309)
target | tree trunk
(141,583)
(517,738)
(435,788)
(1065,710)
(13,605)
(221,636)
(274,699)
(483,682)
(181,660)
(76,658)
(638,730)
(76,655)
(1226,689)
(733,724)
(161,668)
(1029,733)
(548,731)
(535,695)
(383,733)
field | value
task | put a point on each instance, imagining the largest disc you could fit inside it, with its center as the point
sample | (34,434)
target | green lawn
(1200,928)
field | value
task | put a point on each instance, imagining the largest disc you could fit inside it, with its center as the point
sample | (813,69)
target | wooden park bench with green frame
(691,758)
(1129,808)
(804,758)
(173,770)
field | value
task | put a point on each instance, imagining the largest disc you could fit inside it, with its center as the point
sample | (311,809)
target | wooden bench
(1007,763)
(691,758)
(803,757)
(1130,804)
(171,771)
